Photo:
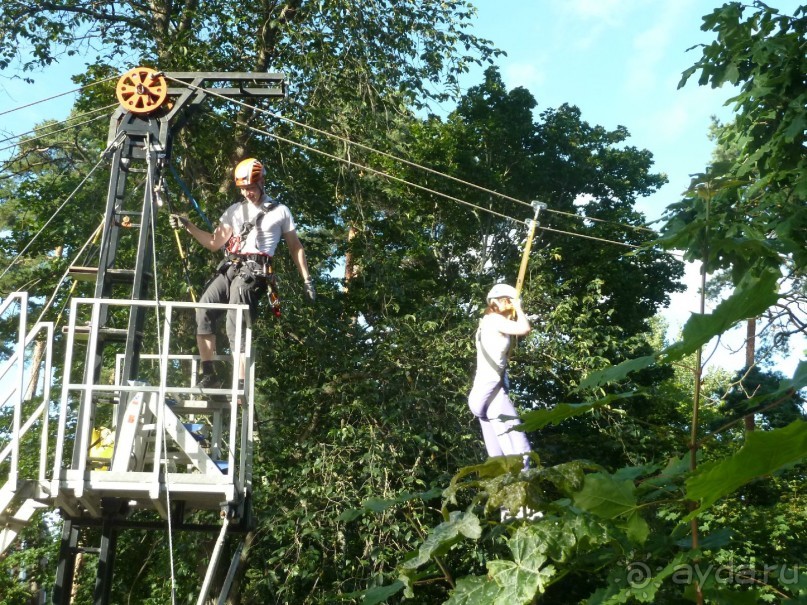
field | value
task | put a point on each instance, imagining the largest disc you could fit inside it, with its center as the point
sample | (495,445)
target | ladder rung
(113,275)
(82,333)
(199,406)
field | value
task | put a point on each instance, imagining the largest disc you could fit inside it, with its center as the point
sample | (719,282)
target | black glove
(177,221)
(310,292)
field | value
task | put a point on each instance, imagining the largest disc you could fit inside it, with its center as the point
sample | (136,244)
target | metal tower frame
(138,135)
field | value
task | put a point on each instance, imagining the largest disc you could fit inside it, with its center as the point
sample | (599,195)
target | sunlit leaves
(606,497)
(764,452)
(460,524)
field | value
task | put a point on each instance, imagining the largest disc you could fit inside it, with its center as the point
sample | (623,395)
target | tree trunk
(36,362)
(350,262)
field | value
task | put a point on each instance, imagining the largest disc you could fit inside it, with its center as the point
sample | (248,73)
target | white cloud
(607,12)
(651,47)
(528,75)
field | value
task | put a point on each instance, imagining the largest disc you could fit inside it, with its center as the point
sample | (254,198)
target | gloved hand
(177,221)
(310,292)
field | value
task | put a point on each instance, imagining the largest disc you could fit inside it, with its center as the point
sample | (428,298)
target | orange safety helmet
(249,172)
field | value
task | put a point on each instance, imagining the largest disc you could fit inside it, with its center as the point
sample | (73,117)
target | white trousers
(488,401)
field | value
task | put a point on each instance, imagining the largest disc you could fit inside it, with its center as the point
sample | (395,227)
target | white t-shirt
(492,347)
(263,238)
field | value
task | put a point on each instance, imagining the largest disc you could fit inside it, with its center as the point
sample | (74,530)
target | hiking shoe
(208,381)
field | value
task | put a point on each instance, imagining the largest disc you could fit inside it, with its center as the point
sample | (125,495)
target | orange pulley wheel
(141,90)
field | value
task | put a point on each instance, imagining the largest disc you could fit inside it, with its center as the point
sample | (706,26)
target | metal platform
(178,443)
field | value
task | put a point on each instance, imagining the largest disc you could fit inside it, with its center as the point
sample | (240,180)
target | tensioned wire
(149,189)
(52,132)
(53,216)
(380,173)
(92,237)
(428,190)
(61,94)
(382,153)
(398,158)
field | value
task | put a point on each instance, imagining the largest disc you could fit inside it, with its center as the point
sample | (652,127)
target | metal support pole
(214,561)
(538,206)
(228,580)
(106,563)
(67,564)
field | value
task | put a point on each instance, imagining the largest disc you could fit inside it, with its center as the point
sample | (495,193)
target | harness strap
(485,354)
(247,226)
(259,259)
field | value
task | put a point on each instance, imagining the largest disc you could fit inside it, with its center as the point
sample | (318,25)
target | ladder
(180,449)
(138,441)
(22,496)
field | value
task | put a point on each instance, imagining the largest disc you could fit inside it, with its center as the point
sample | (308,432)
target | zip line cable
(382,153)
(361,146)
(339,138)
(52,132)
(61,94)
(403,160)
(598,239)
(65,121)
(351,163)
(48,222)
(600,220)
(438,193)
(380,173)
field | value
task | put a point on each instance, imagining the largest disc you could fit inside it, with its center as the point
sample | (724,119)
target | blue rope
(188,195)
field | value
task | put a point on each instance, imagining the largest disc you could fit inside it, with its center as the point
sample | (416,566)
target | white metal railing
(13,372)
(81,396)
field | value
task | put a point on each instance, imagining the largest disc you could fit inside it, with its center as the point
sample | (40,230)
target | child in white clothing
(488,399)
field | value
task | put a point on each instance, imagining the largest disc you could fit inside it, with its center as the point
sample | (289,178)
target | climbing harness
(255,269)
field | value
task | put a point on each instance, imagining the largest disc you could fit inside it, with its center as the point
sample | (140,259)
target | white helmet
(502,291)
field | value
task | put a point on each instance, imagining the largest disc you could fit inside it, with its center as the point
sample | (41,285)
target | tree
(362,414)
(602,529)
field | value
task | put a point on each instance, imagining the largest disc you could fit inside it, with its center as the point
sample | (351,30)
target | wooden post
(528,245)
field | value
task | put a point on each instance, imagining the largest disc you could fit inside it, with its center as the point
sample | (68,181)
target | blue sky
(619,61)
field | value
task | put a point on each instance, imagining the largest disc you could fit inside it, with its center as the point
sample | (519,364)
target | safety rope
(397,158)
(92,239)
(50,220)
(149,194)
(162,197)
(189,195)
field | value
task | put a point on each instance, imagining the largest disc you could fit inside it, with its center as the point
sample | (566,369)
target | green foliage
(648,508)
(362,415)
(761,53)
(762,454)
